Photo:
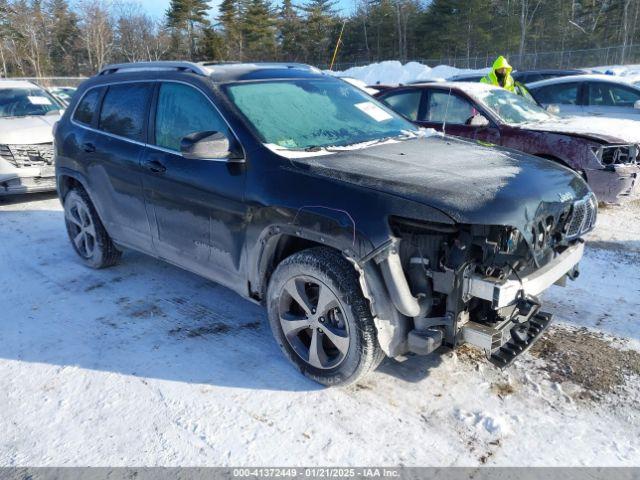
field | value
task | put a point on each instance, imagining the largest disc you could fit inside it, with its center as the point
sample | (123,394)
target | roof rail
(213,63)
(155,66)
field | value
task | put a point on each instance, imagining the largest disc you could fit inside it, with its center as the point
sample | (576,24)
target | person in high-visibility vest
(500,75)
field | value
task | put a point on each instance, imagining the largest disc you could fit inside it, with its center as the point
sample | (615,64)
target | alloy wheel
(313,322)
(81,228)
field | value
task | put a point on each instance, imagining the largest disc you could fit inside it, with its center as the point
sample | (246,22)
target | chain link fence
(585,58)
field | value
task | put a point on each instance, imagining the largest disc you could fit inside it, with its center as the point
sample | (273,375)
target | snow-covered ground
(145,364)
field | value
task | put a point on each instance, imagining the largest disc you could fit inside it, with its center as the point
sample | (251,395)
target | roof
(218,72)
(579,78)
(464,86)
(16,84)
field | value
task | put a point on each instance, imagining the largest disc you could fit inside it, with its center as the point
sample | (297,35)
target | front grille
(619,155)
(28,155)
(582,219)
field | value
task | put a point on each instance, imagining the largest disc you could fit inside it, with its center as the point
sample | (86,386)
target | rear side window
(606,95)
(124,110)
(88,106)
(562,94)
(182,110)
(406,103)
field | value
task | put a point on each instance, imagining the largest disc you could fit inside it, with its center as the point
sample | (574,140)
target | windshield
(21,102)
(512,109)
(315,113)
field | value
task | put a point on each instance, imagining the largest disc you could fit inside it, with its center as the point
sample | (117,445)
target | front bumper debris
(619,183)
(502,293)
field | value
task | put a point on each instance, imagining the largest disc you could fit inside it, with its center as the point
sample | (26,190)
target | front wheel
(320,318)
(88,236)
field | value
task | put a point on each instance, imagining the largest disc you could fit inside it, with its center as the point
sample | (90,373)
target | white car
(27,116)
(589,95)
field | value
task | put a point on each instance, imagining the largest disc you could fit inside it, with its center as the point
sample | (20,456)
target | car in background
(529,76)
(605,153)
(589,95)
(27,116)
(524,76)
(467,77)
(63,94)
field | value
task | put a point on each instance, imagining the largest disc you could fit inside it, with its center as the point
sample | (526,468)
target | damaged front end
(617,178)
(478,284)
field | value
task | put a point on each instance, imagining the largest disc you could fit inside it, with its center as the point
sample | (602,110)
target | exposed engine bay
(480,284)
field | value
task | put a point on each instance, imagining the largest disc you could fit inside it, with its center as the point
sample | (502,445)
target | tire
(315,296)
(88,236)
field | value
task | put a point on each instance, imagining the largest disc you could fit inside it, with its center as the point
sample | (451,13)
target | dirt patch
(95,286)
(503,389)
(218,329)
(586,359)
(469,354)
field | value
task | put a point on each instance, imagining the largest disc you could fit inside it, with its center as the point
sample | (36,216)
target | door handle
(155,166)
(89,147)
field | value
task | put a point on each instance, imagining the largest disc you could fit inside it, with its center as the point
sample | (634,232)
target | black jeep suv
(363,235)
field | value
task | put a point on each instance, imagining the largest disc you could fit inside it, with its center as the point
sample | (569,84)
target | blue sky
(157,7)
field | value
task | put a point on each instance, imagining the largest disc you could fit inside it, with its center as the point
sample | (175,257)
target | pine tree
(187,16)
(319,27)
(290,33)
(258,31)
(229,20)
(65,37)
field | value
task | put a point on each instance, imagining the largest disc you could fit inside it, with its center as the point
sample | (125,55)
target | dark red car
(605,151)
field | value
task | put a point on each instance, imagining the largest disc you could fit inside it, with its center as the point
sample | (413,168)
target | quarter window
(124,110)
(444,106)
(561,94)
(88,107)
(182,110)
(406,103)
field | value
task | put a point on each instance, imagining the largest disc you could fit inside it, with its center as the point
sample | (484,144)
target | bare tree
(528,9)
(97,31)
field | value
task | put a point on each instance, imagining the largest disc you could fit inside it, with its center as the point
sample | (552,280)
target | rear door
(611,100)
(567,96)
(196,206)
(112,149)
(449,112)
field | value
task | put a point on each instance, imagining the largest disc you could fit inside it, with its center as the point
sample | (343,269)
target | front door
(196,207)
(450,113)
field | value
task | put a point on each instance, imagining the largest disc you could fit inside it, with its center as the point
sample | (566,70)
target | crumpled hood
(470,183)
(608,130)
(27,130)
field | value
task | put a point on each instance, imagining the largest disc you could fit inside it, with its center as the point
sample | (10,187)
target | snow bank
(393,72)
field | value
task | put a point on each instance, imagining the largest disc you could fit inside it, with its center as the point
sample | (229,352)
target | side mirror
(479,120)
(554,109)
(637,105)
(206,146)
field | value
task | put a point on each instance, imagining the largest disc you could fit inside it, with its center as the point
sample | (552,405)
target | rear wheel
(88,236)
(320,318)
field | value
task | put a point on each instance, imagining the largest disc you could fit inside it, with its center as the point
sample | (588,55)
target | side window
(124,110)
(406,103)
(183,110)
(444,106)
(562,94)
(88,106)
(606,95)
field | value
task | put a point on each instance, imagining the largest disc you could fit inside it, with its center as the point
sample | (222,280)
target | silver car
(27,116)
(589,95)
